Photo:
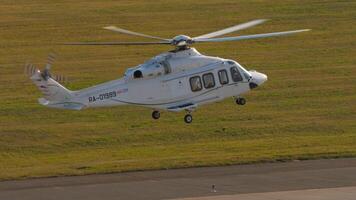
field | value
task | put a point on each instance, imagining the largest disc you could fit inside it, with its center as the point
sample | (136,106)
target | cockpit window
(246,75)
(235,74)
(231,62)
(195,83)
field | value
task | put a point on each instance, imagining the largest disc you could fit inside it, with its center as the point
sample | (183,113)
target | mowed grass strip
(306,110)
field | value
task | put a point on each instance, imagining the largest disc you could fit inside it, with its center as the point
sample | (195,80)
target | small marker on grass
(213,188)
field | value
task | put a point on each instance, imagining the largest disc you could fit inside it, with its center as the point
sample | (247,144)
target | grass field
(306,110)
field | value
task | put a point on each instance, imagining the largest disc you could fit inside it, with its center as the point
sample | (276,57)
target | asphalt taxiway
(312,179)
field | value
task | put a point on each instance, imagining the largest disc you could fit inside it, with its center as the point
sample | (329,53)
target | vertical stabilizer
(54,94)
(51,89)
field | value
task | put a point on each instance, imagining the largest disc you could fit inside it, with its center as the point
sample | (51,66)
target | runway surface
(318,179)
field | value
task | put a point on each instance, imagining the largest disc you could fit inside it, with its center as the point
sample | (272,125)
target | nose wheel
(240,101)
(188,118)
(156,114)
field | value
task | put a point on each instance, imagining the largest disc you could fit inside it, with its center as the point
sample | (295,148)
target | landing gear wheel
(156,114)
(188,118)
(240,101)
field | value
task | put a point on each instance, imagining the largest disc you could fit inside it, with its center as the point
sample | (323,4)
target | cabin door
(178,87)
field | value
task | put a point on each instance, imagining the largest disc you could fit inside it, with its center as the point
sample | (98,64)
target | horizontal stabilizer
(61,105)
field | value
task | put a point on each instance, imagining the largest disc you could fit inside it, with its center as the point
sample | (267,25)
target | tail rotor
(54,94)
(31,69)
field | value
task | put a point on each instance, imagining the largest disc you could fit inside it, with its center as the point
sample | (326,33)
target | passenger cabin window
(223,78)
(208,80)
(195,83)
(235,74)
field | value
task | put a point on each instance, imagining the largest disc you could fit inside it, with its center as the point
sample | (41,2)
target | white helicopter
(181,79)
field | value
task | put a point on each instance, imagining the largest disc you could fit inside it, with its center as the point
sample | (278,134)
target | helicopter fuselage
(185,82)
(173,81)
(182,79)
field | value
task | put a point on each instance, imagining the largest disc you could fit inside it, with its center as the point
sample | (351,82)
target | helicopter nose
(257,79)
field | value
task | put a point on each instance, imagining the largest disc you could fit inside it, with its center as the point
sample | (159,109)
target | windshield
(245,73)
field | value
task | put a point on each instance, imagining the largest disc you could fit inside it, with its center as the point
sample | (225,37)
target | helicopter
(178,80)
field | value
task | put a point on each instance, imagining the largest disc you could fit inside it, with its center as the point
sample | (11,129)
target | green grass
(306,110)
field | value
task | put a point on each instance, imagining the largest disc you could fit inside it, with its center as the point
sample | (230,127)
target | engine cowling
(148,70)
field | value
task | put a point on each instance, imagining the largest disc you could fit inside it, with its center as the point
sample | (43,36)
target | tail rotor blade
(33,69)
(30,69)
(50,60)
(61,78)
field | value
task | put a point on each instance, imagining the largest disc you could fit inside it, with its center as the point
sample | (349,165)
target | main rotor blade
(245,37)
(116,43)
(232,29)
(120,30)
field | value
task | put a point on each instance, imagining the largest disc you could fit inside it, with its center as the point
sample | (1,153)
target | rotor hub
(181,40)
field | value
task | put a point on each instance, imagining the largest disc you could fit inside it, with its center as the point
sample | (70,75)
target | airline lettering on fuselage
(122,91)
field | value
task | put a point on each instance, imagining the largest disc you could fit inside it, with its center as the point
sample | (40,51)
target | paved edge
(66,181)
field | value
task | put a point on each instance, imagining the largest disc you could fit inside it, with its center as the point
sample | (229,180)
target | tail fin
(51,89)
(54,94)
